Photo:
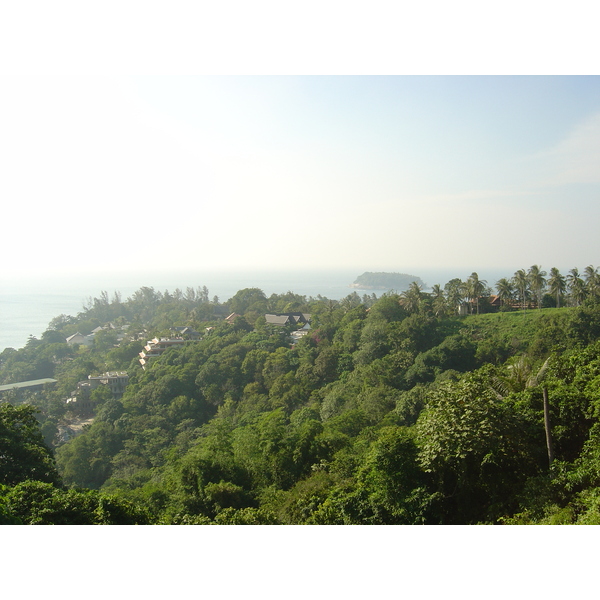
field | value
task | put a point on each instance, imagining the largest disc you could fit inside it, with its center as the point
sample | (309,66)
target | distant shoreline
(360,286)
(27,305)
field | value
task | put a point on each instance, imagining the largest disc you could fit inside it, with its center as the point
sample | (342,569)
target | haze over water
(299,172)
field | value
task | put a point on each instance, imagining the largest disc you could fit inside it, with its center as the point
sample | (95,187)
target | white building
(78,338)
(156,347)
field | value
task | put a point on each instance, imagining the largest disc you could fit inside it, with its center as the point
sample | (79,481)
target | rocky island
(385,281)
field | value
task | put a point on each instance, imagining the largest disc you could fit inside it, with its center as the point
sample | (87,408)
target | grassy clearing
(520,330)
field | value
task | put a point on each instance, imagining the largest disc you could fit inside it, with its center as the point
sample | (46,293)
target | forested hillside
(390,410)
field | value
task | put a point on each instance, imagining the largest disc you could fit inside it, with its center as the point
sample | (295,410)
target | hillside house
(80,400)
(187,333)
(300,333)
(156,347)
(78,338)
(495,302)
(88,340)
(285,319)
(105,327)
(116,380)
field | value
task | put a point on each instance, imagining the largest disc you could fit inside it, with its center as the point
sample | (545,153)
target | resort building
(156,347)
(284,319)
(116,380)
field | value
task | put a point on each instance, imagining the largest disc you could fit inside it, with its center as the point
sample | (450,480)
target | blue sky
(355,172)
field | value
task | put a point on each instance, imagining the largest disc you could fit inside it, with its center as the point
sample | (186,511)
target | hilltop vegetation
(394,410)
(386,281)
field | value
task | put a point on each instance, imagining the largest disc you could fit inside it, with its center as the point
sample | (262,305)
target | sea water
(27,305)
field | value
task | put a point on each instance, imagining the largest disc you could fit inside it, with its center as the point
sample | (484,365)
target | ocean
(28,305)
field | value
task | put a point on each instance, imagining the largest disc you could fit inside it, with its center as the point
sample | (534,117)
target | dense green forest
(449,407)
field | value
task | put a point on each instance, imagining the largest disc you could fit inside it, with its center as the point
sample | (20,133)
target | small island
(385,281)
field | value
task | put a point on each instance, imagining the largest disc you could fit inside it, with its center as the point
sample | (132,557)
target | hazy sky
(360,172)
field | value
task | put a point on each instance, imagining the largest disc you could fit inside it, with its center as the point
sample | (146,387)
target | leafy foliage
(389,411)
(23,453)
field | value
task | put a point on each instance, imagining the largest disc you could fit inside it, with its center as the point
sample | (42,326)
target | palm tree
(505,290)
(576,285)
(537,281)
(592,280)
(521,375)
(348,303)
(411,298)
(521,282)
(438,300)
(475,288)
(557,285)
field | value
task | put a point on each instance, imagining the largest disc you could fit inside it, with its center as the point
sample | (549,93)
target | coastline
(358,286)
(28,304)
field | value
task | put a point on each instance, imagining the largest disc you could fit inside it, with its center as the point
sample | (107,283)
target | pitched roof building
(283,319)
(78,338)
(156,347)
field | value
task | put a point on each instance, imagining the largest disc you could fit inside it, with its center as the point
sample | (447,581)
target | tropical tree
(349,302)
(412,297)
(472,444)
(557,285)
(506,290)
(475,288)
(576,285)
(248,299)
(592,280)
(521,282)
(23,452)
(39,503)
(521,375)
(454,293)
(438,304)
(537,282)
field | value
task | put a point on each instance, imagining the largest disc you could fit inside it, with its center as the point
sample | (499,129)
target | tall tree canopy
(23,453)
